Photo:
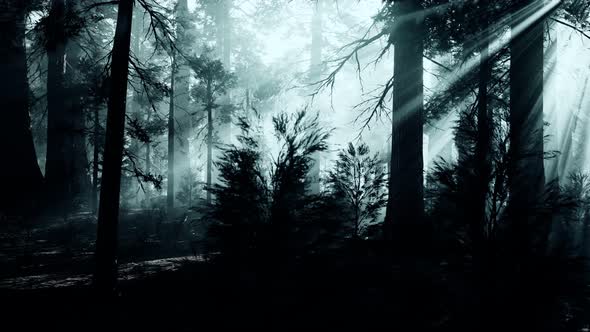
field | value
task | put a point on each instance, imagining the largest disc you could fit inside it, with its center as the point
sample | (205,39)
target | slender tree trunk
(405,207)
(95,161)
(79,165)
(171,134)
(224,28)
(482,152)
(105,277)
(20,176)
(133,104)
(477,186)
(552,171)
(315,74)
(209,139)
(526,178)
(227,26)
(148,160)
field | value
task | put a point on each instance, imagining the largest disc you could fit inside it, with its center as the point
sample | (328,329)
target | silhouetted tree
(21,177)
(213,81)
(527,179)
(108,213)
(405,207)
(359,179)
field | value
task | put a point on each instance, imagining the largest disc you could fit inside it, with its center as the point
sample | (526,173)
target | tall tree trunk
(67,163)
(148,159)
(227,45)
(552,172)
(133,104)
(79,179)
(20,176)
(209,140)
(526,178)
(223,44)
(95,160)
(58,123)
(405,208)
(108,211)
(171,134)
(315,74)
(182,99)
(482,148)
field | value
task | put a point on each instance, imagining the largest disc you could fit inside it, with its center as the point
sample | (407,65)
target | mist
(408,164)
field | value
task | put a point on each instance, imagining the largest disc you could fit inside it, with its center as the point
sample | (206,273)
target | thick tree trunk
(108,212)
(58,123)
(20,176)
(67,163)
(315,73)
(171,134)
(526,178)
(405,207)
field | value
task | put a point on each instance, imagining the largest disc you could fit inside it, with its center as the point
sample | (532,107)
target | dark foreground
(47,285)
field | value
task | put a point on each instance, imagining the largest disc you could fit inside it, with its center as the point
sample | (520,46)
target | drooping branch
(571,26)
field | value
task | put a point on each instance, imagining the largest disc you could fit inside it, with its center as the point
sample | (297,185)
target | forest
(414,165)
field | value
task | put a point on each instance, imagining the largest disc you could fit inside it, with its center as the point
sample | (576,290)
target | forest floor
(168,283)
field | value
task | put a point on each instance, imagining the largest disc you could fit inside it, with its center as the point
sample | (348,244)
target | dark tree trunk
(526,178)
(58,123)
(21,177)
(209,139)
(67,163)
(95,161)
(482,152)
(171,134)
(78,158)
(108,212)
(148,159)
(405,207)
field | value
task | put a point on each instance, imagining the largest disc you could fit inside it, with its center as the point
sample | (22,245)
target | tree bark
(405,208)
(148,159)
(67,163)
(209,139)
(526,178)
(171,134)
(105,277)
(482,150)
(182,100)
(224,29)
(95,161)
(58,124)
(20,176)
(79,164)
